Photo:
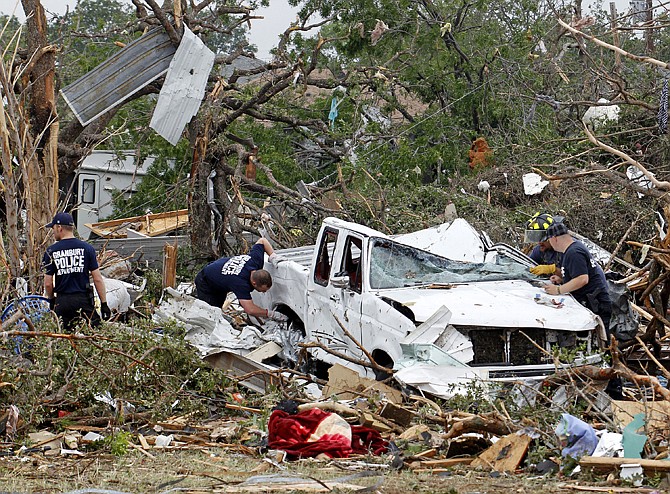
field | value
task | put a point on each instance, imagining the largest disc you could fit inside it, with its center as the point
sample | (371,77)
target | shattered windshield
(394,265)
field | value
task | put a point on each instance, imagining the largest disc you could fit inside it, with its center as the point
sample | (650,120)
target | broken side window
(324,261)
(351,262)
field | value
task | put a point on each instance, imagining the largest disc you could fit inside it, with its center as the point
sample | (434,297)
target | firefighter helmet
(537,226)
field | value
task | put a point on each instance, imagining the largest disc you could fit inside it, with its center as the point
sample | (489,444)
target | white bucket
(632,472)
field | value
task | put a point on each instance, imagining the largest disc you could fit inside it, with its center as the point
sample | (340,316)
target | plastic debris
(533,184)
(576,436)
(633,443)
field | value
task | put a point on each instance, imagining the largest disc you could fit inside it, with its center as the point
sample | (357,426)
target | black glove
(105,311)
(52,303)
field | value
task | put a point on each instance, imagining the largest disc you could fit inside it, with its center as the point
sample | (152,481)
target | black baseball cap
(556,230)
(64,219)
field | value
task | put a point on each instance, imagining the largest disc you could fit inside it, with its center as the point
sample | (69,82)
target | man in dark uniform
(67,265)
(240,275)
(585,280)
(580,274)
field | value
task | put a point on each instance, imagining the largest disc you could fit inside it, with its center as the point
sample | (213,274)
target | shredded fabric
(314,432)
(663,109)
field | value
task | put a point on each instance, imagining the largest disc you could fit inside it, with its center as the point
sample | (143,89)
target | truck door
(330,301)
(88,198)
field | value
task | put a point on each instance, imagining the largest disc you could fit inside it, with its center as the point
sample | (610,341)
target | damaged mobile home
(438,306)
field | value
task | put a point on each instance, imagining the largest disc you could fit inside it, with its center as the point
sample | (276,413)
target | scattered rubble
(274,409)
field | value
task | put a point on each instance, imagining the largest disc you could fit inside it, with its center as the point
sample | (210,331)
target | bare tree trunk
(40,170)
(649,33)
(199,212)
(10,140)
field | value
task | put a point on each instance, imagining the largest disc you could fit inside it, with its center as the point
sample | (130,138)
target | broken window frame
(88,187)
(324,259)
(352,262)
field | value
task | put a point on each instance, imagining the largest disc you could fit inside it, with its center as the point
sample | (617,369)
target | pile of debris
(562,423)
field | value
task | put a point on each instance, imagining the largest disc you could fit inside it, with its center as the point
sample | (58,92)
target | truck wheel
(384,359)
(295,324)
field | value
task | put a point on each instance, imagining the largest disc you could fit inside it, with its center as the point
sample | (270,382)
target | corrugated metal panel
(120,76)
(184,87)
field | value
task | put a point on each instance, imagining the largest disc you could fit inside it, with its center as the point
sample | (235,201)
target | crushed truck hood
(510,304)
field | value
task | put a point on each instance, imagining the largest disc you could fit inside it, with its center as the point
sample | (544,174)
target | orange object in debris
(238,397)
(250,170)
(480,153)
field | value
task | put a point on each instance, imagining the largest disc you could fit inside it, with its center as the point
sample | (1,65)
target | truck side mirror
(340,280)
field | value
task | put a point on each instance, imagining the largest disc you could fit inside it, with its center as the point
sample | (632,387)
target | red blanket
(313,432)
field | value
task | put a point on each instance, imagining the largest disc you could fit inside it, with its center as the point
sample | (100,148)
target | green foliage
(140,367)
(118,443)
(569,354)
(537,454)
(163,188)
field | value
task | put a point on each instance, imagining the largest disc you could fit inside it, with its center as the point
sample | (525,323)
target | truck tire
(384,359)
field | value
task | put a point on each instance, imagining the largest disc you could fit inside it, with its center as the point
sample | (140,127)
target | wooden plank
(151,225)
(397,414)
(657,414)
(266,350)
(429,453)
(141,450)
(170,265)
(143,441)
(608,464)
(506,454)
(349,384)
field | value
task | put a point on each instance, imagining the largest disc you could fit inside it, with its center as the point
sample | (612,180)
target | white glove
(277,316)
(275,259)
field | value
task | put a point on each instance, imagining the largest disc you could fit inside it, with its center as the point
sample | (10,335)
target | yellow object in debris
(543,269)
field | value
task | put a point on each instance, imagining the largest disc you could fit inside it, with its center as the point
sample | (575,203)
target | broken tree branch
(481,423)
(316,344)
(615,49)
(620,244)
(362,348)
(647,246)
(653,359)
(663,185)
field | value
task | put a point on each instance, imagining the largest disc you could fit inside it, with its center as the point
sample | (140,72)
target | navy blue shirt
(577,261)
(70,261)
(549,256)
(232,274)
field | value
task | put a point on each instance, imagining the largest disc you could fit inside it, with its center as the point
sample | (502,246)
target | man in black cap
(581,276)
(67,264)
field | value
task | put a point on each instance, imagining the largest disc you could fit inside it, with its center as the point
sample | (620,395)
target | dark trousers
(75,307)
(205,292)
(615,385)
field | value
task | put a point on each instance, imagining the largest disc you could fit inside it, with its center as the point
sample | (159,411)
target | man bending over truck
(240,275)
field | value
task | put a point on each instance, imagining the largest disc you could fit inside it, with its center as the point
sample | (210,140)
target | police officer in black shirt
(67,265)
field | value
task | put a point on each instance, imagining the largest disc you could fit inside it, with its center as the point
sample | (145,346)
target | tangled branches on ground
(142,369)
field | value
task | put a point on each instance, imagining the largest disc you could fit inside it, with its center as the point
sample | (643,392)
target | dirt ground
(219,470)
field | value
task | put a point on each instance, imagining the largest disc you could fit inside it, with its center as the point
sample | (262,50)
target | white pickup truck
(455,302)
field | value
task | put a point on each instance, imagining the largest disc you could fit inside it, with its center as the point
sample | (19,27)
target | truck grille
(507,346)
